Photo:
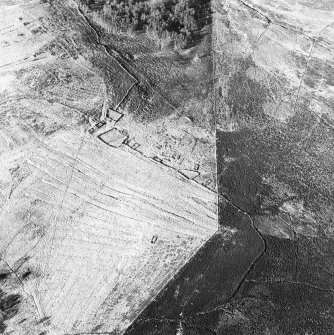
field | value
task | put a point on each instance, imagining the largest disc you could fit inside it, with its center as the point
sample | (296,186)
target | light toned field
(90,233)
(86,215)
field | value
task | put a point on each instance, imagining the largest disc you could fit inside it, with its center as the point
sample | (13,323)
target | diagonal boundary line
(177,273)
(197,250)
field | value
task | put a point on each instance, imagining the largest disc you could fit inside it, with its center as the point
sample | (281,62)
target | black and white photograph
(167,167)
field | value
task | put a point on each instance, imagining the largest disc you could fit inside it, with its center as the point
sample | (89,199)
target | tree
(175,18)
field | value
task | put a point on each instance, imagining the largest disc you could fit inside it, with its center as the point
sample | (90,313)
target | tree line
(181,19)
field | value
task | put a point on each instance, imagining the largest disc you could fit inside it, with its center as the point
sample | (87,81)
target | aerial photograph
(167,167)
